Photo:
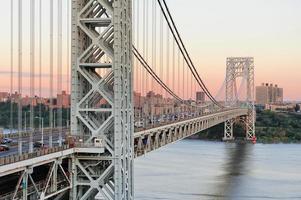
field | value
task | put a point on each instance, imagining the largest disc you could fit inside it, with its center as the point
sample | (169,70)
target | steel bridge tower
(240,67)
(102,99)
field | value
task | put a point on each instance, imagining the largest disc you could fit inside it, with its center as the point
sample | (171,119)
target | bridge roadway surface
(37,137)
(145,140)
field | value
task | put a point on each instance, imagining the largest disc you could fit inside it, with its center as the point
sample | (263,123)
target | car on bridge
(139,124)
(4,147)
(39,145)
(6,141)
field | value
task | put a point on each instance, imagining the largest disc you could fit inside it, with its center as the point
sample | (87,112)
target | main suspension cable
(184,52)
(154,75)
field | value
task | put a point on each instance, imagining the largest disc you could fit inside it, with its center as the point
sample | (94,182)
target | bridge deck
(145,141)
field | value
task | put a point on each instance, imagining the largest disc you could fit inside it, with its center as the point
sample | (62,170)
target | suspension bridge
(132,83)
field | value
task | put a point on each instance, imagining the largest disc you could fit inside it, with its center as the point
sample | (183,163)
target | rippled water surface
(194,169)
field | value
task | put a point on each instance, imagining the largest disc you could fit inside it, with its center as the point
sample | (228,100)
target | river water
(197,170)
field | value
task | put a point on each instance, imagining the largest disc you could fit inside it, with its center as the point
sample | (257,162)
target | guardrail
(16,158)
(27,133)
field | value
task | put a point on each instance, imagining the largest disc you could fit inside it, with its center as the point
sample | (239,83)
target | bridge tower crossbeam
(240,67)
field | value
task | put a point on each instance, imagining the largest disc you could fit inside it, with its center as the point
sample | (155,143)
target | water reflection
(198,170)
(237,155)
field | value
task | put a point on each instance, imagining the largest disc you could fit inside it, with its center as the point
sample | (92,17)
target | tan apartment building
(269,94)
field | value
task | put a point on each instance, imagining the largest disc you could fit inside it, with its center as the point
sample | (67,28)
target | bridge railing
(17,158)
(27,132)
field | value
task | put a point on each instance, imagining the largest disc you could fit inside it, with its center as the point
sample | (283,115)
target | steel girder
(240,67)
(57,183)
(102,98)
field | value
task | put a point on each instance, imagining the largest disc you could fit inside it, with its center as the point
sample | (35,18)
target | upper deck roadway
(145,141)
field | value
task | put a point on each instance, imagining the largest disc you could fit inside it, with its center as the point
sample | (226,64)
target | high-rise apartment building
(4,96)
(269,94)
(200,97)
(63,100)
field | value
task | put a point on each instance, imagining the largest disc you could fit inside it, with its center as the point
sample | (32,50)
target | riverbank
(271,127)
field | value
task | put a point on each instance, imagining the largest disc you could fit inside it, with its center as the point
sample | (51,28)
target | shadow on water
(234,169)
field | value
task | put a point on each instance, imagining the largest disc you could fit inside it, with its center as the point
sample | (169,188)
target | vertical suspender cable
(134,42)
(60,66)
(40,63)
(178,72)
(153,52)
(20,78)
(179,76)
(190,85)
(32,72)
(161,50)
(51,124)
(68,59)
(143,49)
(155,36)
(138,45)
(143,71)
(173,66)
(183,85)
(187,76)
(147,43)
(146,57)
(167,55)
(11,65)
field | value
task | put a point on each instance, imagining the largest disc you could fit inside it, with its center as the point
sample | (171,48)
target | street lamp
(42,125)
(26,120)
(54,116)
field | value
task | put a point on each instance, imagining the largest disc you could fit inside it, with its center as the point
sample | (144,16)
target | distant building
(269,94)
(63,100)
(4,96)
(15,97)
(26,101)
(284,107)
(200,97)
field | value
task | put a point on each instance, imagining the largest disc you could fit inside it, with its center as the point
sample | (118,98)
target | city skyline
(271,36)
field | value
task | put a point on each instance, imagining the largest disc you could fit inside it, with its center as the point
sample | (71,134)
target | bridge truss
(102,103)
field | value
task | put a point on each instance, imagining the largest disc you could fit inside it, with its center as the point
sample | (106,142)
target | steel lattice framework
(240,67)
(102,104)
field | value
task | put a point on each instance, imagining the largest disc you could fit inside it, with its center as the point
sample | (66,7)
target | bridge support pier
(228,134)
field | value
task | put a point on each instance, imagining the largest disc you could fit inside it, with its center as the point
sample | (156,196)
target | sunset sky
(268,30)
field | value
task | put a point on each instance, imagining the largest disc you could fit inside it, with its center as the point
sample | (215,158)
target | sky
(268,30)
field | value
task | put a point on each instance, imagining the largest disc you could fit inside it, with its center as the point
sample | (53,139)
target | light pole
(54,113)
(26,120)
(42,125)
